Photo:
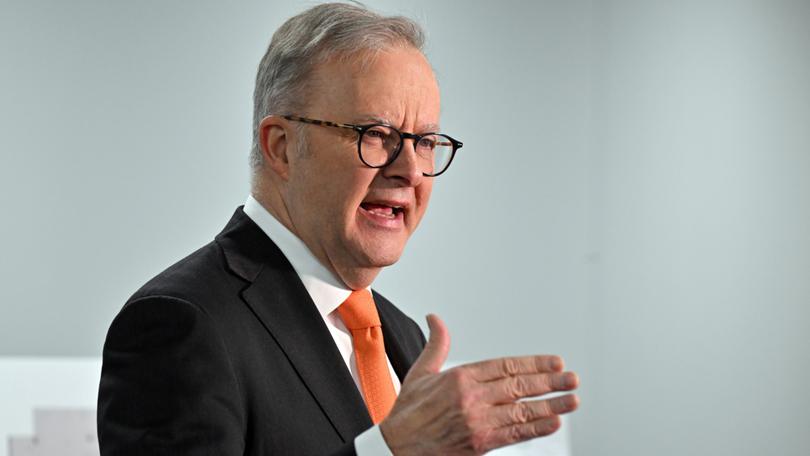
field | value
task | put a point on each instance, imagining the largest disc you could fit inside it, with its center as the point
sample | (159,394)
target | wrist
(389,434)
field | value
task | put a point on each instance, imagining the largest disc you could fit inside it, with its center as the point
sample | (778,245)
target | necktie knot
(358,311)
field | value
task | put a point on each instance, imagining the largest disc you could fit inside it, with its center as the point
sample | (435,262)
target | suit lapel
(279,300)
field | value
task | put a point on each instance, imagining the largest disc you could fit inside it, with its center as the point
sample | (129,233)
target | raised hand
(474,408)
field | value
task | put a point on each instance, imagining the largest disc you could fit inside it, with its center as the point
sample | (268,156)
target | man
(269,340)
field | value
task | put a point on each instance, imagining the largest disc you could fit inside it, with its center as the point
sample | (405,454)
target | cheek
(348,188)
(422,198)
(331,182)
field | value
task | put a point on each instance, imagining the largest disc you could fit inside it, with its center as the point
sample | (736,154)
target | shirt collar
(327,291)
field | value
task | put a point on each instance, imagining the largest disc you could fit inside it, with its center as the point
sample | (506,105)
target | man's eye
(427,143)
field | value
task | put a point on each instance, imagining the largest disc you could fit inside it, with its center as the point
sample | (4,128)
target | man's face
(339,207)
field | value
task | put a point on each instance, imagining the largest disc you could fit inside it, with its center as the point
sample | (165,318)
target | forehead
(395,85)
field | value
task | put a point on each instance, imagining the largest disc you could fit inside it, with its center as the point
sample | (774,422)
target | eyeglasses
(378,145)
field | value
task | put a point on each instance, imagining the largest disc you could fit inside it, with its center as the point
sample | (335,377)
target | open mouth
(382,210)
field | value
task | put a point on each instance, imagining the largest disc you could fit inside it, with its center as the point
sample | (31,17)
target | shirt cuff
(371,442)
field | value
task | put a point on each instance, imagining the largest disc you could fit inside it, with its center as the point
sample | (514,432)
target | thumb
(435,352)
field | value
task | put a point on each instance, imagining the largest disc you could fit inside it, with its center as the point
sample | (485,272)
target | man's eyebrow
(370,118)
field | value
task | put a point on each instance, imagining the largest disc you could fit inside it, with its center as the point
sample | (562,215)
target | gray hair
(315,36)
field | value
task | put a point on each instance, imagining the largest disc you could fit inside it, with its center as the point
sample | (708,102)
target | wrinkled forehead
(381,85)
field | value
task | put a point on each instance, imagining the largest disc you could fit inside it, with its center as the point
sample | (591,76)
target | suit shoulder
(199,276)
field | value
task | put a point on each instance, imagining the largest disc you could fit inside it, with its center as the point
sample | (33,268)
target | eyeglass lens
(379,144)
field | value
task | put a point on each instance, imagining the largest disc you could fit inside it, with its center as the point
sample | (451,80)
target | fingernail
(573,402)
(571,379)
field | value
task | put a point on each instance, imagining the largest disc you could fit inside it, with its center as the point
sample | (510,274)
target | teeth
(383,213)
(382,210)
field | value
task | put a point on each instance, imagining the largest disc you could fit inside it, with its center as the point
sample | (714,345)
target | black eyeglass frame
(362,129)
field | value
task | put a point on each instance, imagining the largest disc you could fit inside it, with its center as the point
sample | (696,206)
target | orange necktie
(360,316)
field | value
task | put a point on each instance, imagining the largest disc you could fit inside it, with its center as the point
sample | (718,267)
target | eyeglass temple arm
(324,123)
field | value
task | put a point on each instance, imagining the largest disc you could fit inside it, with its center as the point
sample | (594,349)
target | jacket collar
(279,300)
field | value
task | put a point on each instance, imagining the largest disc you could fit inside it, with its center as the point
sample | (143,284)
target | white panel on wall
(59,432)
(55,386)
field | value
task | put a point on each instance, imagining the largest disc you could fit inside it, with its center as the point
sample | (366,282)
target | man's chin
(382,260)
(366,266)
(381,255)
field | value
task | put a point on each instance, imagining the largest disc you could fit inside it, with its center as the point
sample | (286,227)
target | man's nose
(406,166)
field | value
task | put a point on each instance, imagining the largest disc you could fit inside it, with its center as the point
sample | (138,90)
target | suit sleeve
(167,386)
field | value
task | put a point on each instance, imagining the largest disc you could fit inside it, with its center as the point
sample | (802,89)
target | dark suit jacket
(224,353)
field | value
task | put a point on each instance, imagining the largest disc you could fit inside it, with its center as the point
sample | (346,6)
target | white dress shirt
(327,292)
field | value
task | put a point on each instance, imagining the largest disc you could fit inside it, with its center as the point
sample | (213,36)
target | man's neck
(353,277)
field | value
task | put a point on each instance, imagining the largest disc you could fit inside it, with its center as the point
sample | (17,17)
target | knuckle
(526,431)
(456,377)
(549,382)
(518,387)
(516,434)
(521,413)
(510,367)
(462,390)
(453,382)
(467,400)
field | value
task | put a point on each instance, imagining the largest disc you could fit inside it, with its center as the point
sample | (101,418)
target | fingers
(510,389)
(493,369)
(521,432)
(434,354)
(527,420)
(476,405)
(528,411)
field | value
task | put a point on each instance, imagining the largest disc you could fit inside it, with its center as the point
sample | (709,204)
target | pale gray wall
(633,192)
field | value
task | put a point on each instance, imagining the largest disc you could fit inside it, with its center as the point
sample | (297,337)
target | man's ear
(274,142)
